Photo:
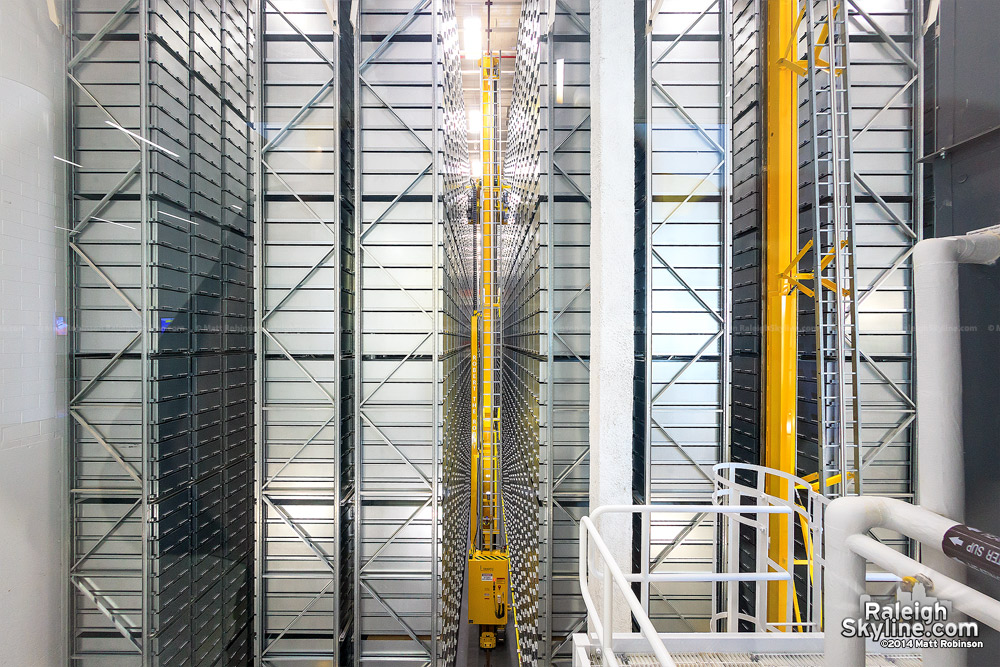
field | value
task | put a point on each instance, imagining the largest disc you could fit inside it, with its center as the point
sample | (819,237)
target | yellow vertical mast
(474,354)
(489,317)
(781,184)
(487,574)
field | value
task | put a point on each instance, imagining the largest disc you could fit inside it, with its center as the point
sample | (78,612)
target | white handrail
(612,572)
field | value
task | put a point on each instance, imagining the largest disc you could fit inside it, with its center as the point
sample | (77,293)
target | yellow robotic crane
(488,571)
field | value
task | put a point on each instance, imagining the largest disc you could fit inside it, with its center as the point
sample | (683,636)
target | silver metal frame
(299,421)
(108,381)
(150,530)
(888,224)
(564,179)
(523,364)
(459,277)
(397,510)
(687,282)
(401,371)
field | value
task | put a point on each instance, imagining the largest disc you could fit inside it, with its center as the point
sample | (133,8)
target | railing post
(644,590)
(790,554)
(607,623)
(733,565)
(763,547)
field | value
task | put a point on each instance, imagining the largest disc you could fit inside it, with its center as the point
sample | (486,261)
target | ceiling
(504,16)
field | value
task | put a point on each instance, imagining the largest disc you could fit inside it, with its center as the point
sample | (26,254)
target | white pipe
(847,520)
(977,605)
(940,462)
(940,450)
(665,577)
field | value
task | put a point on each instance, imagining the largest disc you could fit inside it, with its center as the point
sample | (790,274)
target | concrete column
(33,497)
(612,268)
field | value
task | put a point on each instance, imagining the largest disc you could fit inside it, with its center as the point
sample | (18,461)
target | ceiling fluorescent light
(473,28)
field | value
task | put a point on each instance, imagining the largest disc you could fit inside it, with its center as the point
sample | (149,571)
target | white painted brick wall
(32,356)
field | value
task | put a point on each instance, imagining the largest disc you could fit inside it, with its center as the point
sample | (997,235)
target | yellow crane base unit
(488,587)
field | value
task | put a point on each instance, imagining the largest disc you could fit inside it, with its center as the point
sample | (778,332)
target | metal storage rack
(160,95)
(108,444)
(887,116)
(747,417)
(398,380)
(564,184)
(748,291)
(458,296)
(362,320)
(687,314)
(522,315)
(305,333)
(879,198)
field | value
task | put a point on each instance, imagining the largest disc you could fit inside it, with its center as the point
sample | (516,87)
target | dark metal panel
(747,408)
(747,231)
(966,181)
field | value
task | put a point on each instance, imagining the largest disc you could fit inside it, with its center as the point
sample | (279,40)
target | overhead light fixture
(475,122)
(473,28)
(560,79)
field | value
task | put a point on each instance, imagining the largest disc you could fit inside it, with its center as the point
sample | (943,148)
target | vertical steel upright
(521,286)
(565,214)
(303,302)
(457,295)
(887,134)
(161,251)
(108,442)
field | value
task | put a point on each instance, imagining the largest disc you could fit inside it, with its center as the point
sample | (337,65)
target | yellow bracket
(794,277)
(813,480)
(800,67)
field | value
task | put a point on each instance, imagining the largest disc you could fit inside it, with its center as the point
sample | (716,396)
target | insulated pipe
(847,520)
(978,605)
(940,455)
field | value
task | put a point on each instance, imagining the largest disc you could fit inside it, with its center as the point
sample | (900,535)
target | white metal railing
(849,549)
(753,497)
(614,578)
(739,485)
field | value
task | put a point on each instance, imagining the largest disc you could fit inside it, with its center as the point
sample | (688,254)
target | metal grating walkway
(755,660)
